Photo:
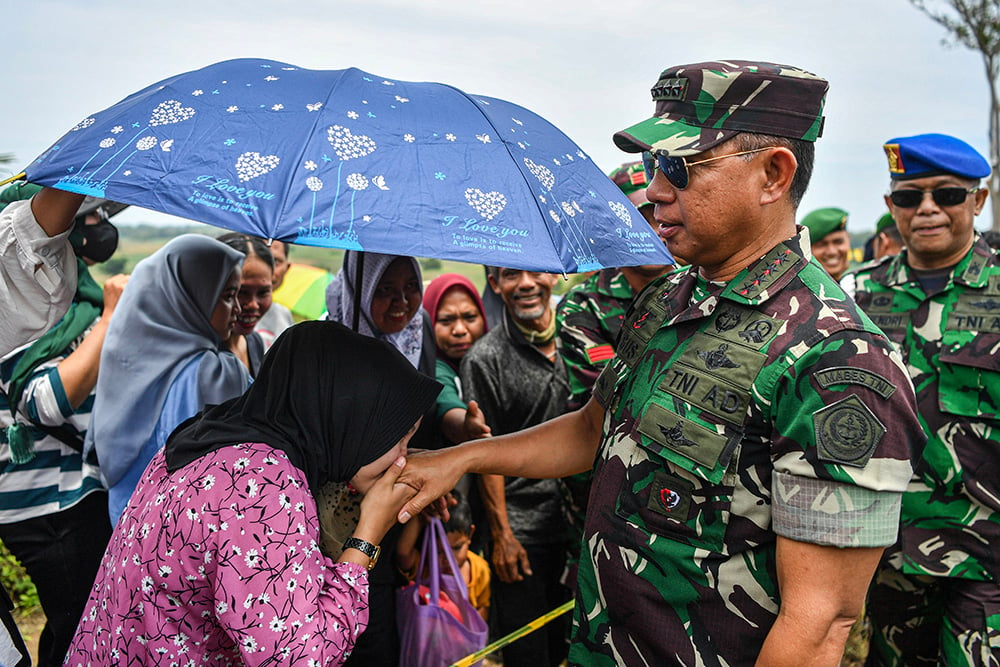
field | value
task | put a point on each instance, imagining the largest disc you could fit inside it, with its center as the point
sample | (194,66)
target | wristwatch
(367,548)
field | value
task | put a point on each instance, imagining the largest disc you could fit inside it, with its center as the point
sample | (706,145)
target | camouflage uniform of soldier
(588,320)
(936,600)
(733,412)
(751,432)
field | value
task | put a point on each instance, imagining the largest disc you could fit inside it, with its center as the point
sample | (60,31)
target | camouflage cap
(824,221)
(631,178)
(702,105)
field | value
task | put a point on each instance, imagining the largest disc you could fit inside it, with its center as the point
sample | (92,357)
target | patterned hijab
(331,399)
(340,296)
(162,323)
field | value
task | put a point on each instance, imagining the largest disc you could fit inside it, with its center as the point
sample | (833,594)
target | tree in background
(975,24)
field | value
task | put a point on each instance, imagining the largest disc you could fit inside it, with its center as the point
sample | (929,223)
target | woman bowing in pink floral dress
(216,559)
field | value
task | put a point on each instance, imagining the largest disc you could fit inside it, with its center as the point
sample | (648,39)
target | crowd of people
(727,461)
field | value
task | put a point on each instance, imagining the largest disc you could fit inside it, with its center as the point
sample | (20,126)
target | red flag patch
(600,353)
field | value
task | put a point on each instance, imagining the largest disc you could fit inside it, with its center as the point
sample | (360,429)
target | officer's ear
(981,195)
(779,166)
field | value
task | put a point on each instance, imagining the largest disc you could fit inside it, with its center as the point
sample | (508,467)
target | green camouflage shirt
(950,342)
(589,318)
(734,412)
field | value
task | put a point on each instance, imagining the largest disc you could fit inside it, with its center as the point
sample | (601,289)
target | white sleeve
(39,277)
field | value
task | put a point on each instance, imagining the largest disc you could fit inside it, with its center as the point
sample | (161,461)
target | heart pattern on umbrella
(487,204)
(169,112)
(252,164)
(348,157)
(348,145)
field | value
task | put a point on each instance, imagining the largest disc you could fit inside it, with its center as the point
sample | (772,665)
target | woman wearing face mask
(162,360)
(216,560)
(254,297)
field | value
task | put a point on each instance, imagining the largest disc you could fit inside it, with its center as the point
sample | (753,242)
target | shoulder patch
(847,432)
(828,377)
(600,353)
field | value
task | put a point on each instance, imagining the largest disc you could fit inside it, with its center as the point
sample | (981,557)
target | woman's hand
(475,423)
(381,504)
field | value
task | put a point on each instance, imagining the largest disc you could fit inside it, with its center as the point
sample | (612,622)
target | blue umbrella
(346,159)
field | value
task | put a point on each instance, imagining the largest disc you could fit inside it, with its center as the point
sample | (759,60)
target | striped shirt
(57,477)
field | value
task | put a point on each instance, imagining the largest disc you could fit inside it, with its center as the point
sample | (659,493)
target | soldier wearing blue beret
(936,598)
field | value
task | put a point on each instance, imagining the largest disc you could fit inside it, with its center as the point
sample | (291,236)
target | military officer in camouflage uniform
(750,439)
(935,599)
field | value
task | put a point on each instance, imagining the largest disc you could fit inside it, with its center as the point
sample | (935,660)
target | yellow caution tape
(470,660)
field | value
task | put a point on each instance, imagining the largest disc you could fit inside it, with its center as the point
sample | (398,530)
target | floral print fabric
(219,563)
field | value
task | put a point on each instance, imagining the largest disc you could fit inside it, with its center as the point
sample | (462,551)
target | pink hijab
(436,290)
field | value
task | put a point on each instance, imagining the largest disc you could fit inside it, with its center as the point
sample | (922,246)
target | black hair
(249,245)
(804,152)
(285,244)
(461,515)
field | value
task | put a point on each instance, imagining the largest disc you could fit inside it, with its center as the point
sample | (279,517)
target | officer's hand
(510,560)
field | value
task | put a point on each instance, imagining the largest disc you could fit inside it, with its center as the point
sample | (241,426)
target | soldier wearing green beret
(888,240)
(936,598)
(749,440)
(829,241)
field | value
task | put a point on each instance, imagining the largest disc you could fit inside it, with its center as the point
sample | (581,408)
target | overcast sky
(586,66)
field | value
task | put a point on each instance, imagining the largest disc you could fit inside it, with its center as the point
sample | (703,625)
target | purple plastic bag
(429,634)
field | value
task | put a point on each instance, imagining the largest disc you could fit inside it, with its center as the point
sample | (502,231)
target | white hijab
(340,295)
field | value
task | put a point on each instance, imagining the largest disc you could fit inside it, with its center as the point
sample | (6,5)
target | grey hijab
(162,323)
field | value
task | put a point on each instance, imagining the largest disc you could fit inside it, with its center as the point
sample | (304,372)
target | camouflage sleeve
(583,345)
(844,432)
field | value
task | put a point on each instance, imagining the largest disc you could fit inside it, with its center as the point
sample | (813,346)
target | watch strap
(367,548)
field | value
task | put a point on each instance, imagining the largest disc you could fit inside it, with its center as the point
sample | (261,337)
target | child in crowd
(459,529)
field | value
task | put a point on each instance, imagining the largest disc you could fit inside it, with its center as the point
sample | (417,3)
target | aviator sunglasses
(676,168)
(941,196)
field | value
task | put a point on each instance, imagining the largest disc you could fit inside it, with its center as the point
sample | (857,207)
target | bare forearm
(557,448)
(799,643)
(453,425)
(78,371)
(492,490)
(55,209)
(562,446)
(822,593)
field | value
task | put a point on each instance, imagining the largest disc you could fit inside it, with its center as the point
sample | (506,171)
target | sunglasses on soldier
(942,196)
(676,168)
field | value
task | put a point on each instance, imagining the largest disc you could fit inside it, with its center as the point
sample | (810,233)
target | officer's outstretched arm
(562,446)
(822,590)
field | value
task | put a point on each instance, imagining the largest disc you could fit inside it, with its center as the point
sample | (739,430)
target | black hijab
(331,399)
